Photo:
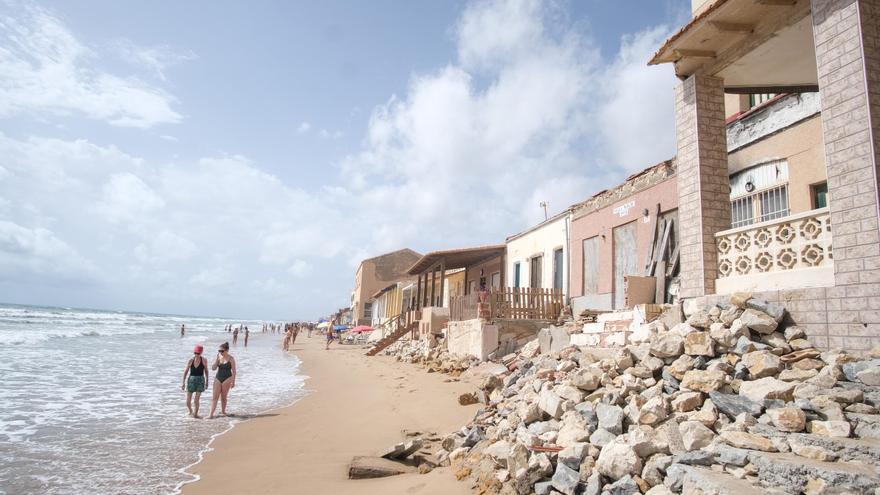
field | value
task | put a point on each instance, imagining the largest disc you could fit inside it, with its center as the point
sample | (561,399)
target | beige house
(778,132)
(375,274)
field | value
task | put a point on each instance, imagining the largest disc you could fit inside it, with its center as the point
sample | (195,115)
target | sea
(90,400)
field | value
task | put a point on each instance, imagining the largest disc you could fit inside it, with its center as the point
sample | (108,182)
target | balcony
(793,252)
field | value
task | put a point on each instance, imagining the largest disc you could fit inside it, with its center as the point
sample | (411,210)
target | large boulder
(699,344)
(550,403)
(667,345)
(703,380)
(758,321)
(762,363)
(617,460)
(767,388)
(790,419)
(610,417)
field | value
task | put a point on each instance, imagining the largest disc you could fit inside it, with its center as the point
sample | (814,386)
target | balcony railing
(786,253)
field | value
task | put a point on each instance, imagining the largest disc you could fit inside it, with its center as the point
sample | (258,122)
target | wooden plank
(662,254)
(651,241)
(673,262)
(660,291)
(661,227)
(639,290)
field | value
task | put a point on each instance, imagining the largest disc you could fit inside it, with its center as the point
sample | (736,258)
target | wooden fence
(464,307)
(526,303)
(514,304)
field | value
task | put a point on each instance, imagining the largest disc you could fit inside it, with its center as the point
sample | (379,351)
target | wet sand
(357,405)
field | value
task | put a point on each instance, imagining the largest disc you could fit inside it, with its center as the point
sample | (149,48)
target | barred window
(759,193)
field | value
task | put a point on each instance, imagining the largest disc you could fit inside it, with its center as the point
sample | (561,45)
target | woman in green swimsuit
(224,379)
(195,378)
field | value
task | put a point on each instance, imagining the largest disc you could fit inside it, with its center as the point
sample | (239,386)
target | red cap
(198,349)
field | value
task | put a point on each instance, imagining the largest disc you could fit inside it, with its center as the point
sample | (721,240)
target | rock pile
(728,401)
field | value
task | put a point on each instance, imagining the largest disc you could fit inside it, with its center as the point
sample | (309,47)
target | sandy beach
(357,405)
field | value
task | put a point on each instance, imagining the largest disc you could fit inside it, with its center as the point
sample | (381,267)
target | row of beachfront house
(777,112)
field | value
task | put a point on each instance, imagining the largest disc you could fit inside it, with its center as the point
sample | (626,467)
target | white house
(538,257)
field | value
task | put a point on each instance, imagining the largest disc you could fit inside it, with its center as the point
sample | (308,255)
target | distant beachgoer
(247,334)
(182,330)
(224,379)
(329,335)
(195,377)
(294,331)
(309,329)
(285,344)
(235,337)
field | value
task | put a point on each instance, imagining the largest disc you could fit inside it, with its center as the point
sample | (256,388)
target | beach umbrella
(361,329)
(324,324)
(339,328)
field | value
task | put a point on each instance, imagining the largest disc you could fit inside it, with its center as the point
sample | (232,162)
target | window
(759,193)
(496,280)
(557,268)
(760,98)
(368,310)
(819,193)
(516,272)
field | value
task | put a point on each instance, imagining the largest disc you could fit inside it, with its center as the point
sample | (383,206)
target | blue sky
(239,159)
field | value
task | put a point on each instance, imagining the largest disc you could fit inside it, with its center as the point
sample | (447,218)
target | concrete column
(703,182)
(847,41)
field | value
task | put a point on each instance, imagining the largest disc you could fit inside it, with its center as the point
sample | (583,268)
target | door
(558,265)
(537,265)
(591,266)
(624,259)
(516,270)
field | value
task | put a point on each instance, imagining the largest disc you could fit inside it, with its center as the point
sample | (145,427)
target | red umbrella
(361,329)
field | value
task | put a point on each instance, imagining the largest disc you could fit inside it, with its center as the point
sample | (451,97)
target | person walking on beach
(195,377)
(235,337)
(329,334)
(182,330)
(224,379)
(247,334)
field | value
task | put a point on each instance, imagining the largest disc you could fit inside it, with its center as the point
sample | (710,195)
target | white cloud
(47,70)
(299,268)
(29,252)
(168,137)
(303,127)
(325,134)
(473,147)
(154,59)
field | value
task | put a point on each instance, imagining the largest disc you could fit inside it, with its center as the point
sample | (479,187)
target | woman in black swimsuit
(195,378)
(224,379)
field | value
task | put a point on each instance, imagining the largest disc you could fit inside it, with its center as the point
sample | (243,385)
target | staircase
(392,338)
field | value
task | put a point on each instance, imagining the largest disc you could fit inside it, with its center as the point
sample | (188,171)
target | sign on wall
(623,210)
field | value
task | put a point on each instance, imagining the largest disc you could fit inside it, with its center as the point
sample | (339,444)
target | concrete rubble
(726,399)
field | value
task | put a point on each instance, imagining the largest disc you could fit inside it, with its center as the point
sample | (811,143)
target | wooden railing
(510,303)
(464,307)
(526,303)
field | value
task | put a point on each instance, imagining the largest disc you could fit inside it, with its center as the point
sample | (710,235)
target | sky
(239,159)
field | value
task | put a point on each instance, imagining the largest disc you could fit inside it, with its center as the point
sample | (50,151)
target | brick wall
(703,186)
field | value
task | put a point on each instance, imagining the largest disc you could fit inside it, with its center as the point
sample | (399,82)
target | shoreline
(209,446)
(354,405)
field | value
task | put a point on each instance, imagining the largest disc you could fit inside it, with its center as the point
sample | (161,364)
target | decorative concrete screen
(788,253)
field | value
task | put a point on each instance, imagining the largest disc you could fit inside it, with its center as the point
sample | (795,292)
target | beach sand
(356,405)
